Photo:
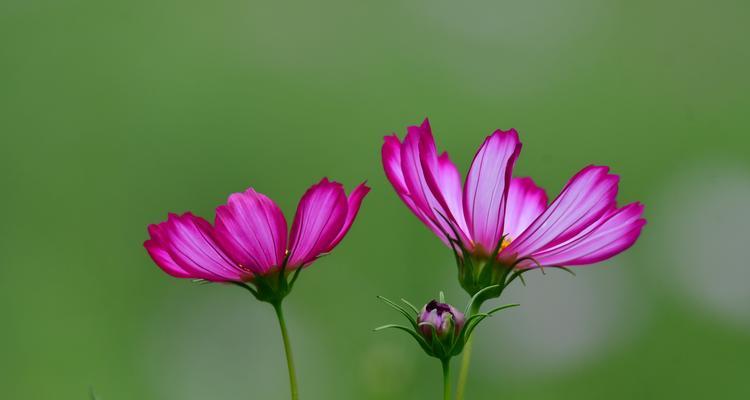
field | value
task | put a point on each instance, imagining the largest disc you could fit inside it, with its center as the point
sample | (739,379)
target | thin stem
(288,351)
(446,379)
(463,374)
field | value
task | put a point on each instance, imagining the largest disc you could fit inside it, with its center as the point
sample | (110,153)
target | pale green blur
(114,113)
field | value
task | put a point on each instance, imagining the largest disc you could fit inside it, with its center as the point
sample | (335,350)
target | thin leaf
(435,338)
(494,310)
(401,310)
(411,306)
(294,277)
(566,269)
(470,328)
(518,274)
(415,335)
(246,287)
(476,296)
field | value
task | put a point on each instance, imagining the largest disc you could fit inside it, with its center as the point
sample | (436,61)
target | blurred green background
(114,113)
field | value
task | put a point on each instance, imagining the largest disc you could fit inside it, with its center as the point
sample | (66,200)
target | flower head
(248,241)
(439,328)
(440,321)
(497,223)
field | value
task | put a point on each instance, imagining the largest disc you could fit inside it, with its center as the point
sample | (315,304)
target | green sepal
(246,287)
(422,343)
(272,287)
(471,323)
(439,349)
(412,319)
(479,297)
(496,309)
(416,311)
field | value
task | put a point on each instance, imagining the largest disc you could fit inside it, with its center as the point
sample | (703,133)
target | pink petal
(189,242)
(392,152)
(526,201)
(487,187)
(444,183)
(586,197)
(321,213)
(162,258)
(353,204)
(614,233)
(252,230)
(418,139)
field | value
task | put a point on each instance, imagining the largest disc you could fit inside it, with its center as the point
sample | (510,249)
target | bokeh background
(114,113)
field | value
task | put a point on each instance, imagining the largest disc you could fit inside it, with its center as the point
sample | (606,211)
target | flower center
(505,243)
(440,307)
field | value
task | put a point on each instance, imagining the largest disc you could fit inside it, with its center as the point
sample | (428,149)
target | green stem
(446,379)
(463,374)
(288,351)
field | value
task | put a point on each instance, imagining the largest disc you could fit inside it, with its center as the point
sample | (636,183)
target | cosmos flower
(248,244)
(496,222)
(440,320)
(249,237)
(440,329)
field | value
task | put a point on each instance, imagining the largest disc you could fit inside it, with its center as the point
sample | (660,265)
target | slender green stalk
(463,374)
(446,379)
(288,351)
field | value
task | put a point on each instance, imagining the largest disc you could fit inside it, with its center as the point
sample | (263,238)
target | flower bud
(440,320)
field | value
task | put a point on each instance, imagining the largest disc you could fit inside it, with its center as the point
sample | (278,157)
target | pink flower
(493,214)
(441,320)
(249,237)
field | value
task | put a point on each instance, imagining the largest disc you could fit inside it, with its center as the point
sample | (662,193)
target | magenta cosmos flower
(248,241)
(499,224)
(248,244)
(439,319)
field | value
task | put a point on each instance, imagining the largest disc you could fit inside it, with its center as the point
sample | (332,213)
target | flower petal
(614,233)
(586,197)
(252,230)
(353,204)
(320,215)
(393,152)
(190,243)
(162,258)
(444,182)
(487,187)
(418,139)
(526,201)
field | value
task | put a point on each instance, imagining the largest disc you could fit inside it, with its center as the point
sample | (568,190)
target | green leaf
(435,337)
(566,269)
(294,277)
(422,343)
(518,274)
(477,295)
(401,310)
(494,310)
(246,287)
(416,311)
(469,328)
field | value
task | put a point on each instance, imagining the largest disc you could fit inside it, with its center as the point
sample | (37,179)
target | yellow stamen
(505,243)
